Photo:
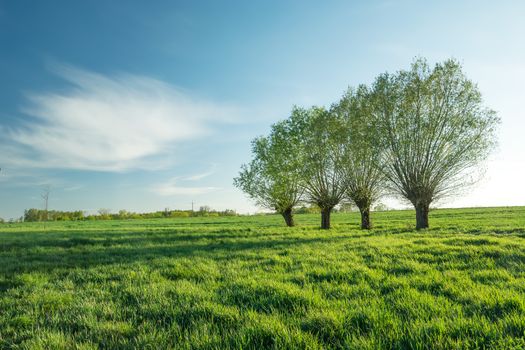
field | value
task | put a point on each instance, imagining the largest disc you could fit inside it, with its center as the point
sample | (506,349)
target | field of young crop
(251,283)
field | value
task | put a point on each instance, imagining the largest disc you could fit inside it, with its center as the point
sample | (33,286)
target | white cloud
(108,123)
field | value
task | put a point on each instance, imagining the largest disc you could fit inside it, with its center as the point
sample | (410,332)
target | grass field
(250,282)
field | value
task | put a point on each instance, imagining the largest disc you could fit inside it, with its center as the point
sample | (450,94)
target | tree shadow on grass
(81,252)
(68,239)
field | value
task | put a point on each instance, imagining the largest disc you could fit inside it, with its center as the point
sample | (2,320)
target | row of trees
(34,215)
(418,134)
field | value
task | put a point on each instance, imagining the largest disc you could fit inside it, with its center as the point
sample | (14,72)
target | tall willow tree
(322,157)
(435,131)
(363,151)
(272,177)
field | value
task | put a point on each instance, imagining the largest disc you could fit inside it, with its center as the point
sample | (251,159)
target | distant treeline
(34,215)
(341,208)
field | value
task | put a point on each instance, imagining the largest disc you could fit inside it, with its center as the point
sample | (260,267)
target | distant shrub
(312,209)
(346,208)
(179,214)
(380,207)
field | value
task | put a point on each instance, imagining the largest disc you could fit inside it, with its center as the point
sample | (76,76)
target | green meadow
(252,283)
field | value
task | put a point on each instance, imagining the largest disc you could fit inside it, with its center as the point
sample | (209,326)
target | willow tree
(322,157)
(363,151)
(272,177)
(435,131)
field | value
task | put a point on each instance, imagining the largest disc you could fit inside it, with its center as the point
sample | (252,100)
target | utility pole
(45,197)
(192,207)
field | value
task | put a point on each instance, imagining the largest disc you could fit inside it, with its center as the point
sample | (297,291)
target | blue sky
(146,105)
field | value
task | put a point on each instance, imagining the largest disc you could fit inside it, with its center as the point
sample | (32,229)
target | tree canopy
(272,177)
(435,130)
(419,134)
(323,155)
(364,177)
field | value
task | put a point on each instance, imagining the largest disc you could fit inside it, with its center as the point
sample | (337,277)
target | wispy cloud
(22,178)
(108,123)
(200,176)
(73,188)
(172,188)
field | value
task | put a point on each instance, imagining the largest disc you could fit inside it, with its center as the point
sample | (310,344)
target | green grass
(250,282)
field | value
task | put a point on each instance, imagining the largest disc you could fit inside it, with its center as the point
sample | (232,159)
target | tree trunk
(366,223)
(325,218)
(288,217)
(422,216)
